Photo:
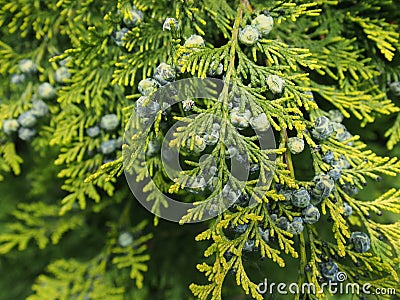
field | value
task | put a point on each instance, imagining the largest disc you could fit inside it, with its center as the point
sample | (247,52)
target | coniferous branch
(39,222)
(307,63)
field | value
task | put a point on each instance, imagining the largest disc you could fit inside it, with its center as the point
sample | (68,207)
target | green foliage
(95,279)
(36,221)
(346,55)
(73,279)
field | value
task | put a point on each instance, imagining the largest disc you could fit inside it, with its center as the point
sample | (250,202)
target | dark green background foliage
(65,203)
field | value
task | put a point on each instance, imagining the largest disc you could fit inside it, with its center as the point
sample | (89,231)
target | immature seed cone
(361,241)
(10,126)
(301,197)
(194,41)
(249,35)
(275,84)
(46,91)
(27,119)
(311,214)
(295,145)
(109,122)
(263,24)
(164,74)
(147,86)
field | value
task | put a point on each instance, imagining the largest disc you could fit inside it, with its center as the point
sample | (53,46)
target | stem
(234,42)
(302,242)
(244,4)
(303,262)
(124,219)
(288,155)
